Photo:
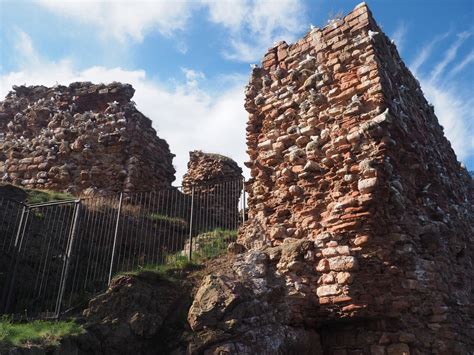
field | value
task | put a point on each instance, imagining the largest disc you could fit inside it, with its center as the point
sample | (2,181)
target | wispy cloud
(399,35)
(193,77)
(449,56)
(125,20)
(452,104)
(257,24)
(454,111)
(425,52)
(250,25)
(468,59)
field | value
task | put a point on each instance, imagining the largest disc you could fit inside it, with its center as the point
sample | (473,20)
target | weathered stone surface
(342,263)
(217,184)
(208,168)
(398,349)
(356,196)
(83,139)
(214,298)
(243,308)
(138,314)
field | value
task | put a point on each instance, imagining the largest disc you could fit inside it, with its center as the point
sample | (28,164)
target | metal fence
(56,255)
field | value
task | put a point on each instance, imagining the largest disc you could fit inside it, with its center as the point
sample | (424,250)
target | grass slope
(47,333)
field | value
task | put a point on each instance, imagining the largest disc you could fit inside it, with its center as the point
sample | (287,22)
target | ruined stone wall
(208,168)
(83,138)
(217,183)
(346,153)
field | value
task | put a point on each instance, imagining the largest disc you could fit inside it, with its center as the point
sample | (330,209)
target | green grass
(160,217)
(174,265)
(36,332)
(41,196)
(212,244)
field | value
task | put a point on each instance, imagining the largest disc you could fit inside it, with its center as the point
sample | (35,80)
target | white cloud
(449,56)
(193,77)
(399,36)
(125,19)
(254,25)
(463,64)
(186,116)
(251,25)
(452,104)
(455,114)
(425,53)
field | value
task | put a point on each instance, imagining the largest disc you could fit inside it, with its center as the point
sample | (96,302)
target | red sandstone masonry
(208,168)
(83,139)
(217,182)
(346,152)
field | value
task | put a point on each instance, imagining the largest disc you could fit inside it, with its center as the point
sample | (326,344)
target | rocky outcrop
(139,314)
(245,308)
(358,208)
(83,139)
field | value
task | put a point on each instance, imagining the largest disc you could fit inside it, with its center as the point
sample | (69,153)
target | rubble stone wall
(217,183)
(208,168)
(83,138)
(345,152)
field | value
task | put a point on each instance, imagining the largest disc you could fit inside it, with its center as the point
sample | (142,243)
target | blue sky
(189,60)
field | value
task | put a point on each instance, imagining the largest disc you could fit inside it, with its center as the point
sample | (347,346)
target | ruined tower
(216,183)
(359,212)
(81,138)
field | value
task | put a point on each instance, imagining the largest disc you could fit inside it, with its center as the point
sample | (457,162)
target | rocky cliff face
(83,138)
(360,216)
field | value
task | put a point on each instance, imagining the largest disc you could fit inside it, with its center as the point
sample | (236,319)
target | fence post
(119,212)
(191,225)
(72,233)
(243,200)
(16,255)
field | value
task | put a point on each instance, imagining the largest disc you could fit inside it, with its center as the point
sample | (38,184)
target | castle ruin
(360,216)
(82,139)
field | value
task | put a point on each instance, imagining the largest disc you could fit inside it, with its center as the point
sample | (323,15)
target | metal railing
(55,255)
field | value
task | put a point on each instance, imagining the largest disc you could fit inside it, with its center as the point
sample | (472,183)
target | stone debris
(357,200)
(82,139)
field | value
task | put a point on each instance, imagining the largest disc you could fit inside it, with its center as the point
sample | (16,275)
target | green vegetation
(212,244)
(205,246)
(36,332)
(174,266)
(160,217)
(41,196)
